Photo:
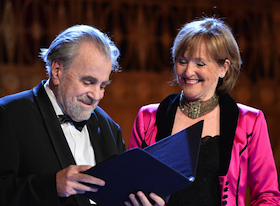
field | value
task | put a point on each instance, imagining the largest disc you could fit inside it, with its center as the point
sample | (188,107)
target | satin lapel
(166,115)
(97,141)
(101,136)
(53,127)
(228,122)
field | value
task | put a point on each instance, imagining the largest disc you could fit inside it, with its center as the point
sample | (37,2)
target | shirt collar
(57,108)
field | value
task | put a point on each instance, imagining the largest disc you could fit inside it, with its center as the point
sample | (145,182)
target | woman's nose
(189,69)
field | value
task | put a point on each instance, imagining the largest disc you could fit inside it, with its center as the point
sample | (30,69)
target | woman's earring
(222,76)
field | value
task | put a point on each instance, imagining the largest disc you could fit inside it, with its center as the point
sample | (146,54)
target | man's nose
(96,93)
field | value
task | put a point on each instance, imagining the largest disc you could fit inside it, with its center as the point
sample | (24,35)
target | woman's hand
(158,201)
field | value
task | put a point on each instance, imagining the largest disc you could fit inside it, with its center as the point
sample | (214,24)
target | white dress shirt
(79,142)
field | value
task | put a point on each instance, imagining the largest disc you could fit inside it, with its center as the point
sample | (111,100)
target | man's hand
(144,200)
(69,181)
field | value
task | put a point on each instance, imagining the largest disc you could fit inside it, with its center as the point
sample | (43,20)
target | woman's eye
(182,61)
(200,64)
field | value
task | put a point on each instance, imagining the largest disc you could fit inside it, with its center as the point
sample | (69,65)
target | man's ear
(56,72)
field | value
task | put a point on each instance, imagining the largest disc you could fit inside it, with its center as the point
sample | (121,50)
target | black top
(205,189)
(229,113)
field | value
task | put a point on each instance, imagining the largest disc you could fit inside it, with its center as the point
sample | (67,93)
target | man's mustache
(86,100)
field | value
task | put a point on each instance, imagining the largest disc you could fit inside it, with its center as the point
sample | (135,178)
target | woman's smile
(191,82)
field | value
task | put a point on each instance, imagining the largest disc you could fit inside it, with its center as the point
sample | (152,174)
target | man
(42,152)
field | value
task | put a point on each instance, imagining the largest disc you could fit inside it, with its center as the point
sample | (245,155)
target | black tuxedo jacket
(33,149)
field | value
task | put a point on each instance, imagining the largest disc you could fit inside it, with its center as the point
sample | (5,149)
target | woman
(235,147)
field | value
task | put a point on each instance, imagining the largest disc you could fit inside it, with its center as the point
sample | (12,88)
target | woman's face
(198,77)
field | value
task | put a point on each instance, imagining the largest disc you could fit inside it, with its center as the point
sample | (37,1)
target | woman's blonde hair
(220,45)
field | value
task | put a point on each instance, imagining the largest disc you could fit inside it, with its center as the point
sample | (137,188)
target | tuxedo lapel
(101,137)
(96,139)
(53,127)
(56,134)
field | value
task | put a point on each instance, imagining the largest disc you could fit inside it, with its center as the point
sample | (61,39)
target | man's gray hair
(66,45)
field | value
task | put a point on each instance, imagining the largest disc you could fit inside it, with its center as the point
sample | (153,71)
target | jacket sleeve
(262,173)
(17,189)
(144,129)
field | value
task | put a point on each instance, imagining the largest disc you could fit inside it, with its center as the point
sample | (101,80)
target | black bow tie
(64,118)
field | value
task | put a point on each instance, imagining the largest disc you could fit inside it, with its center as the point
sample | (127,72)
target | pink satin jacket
(246,156)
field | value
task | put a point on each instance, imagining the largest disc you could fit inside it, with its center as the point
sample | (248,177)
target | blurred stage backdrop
(144,31)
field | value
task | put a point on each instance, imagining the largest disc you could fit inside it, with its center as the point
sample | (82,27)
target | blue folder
(163,168)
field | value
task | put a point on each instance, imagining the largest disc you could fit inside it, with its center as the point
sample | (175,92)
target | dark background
(144,31)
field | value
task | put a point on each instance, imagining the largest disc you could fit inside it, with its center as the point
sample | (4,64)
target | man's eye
(86,83)
(102,86)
